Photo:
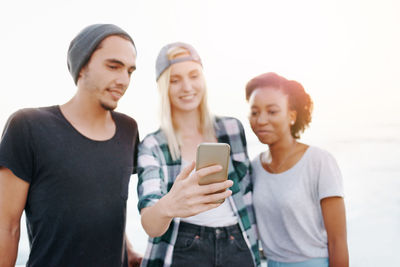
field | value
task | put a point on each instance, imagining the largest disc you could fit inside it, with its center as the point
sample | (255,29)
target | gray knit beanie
(83,45)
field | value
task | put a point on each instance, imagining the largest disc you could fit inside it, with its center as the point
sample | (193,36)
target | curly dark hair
(298,99)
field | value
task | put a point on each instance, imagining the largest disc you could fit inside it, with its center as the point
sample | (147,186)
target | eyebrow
(269,106)
(190,72)
(119,62)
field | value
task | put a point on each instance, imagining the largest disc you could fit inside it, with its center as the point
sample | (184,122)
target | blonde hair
(167,126)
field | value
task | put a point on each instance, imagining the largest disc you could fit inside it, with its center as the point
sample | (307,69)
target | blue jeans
(316,262)
(210,246)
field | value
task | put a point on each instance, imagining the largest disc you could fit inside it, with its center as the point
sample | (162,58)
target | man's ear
(82,72)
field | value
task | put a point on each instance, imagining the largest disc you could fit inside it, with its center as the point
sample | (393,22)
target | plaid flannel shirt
(157,172)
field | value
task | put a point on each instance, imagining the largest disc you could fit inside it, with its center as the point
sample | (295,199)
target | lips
(264,132)
(187,97)
(115,94)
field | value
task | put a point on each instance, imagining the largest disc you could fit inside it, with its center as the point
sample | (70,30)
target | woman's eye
(112,67)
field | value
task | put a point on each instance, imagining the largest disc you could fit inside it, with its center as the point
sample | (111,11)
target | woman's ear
(292,116)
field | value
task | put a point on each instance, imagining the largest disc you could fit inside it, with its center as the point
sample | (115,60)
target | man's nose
(123,79)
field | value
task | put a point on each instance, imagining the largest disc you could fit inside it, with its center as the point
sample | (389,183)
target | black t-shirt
(76,205)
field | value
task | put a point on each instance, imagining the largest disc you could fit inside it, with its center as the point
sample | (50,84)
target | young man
(69,166)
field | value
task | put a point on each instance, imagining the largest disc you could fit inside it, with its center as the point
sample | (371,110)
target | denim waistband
(315,262)
(221,232)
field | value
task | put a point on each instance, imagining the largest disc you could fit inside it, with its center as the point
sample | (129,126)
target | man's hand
(134,258)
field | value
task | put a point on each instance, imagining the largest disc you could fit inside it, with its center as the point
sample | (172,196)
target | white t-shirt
(221,216)
(287,206)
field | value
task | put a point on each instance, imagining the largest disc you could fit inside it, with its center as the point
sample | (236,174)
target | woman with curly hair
(298,192)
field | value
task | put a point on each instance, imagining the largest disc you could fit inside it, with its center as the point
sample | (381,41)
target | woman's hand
(186,198)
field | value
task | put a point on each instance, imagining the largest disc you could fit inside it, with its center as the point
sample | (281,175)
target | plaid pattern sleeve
(157,172)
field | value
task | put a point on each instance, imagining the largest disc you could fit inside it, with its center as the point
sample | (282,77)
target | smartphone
(211,154)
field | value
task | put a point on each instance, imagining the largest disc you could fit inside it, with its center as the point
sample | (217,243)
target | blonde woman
(185,225)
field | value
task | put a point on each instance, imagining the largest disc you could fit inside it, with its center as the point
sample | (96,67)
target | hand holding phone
(213,154)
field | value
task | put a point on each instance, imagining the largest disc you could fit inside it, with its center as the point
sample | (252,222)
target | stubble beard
(107,107)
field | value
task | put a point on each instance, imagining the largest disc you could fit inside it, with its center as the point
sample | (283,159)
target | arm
(134,258)
(13,194)
(186,198)
(333,212)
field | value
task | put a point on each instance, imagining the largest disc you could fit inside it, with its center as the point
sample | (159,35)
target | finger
(215,187)
(208,170)
(185,172)
(216,197)
(213,201)
(209,206)
(201,208)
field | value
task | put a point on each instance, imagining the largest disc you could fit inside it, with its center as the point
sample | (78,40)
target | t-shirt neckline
(293,168)
(58,109)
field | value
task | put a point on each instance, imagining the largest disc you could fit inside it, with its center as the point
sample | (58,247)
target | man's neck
(88,118)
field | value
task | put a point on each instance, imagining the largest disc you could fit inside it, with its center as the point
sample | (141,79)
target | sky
(345,53)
